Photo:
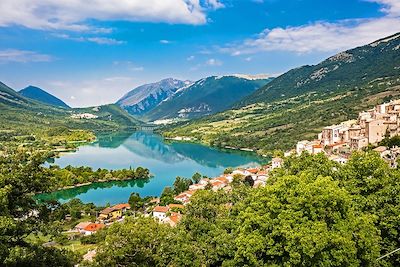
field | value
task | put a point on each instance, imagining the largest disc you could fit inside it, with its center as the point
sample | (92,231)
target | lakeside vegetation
(73,176)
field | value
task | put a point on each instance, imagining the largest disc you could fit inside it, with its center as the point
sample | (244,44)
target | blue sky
(92,52)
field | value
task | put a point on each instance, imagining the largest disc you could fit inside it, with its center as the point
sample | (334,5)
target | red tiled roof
(253,170)
(122,206)
(107,210)
(317,146)
(82,225)
(93,227)
(222,179)
(161,209)
(175,217)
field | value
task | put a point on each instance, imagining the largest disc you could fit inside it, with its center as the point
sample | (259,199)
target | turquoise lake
(164,159)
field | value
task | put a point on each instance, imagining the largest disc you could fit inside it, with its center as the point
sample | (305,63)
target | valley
(95,186)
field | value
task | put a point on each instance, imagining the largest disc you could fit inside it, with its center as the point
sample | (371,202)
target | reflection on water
(67,194)
(165,160)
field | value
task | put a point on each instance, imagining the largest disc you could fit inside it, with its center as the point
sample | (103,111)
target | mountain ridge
(204,96)
(144,98)
(43,96)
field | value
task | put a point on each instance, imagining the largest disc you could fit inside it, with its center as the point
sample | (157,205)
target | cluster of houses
(167,214)
(106,217)
(371,127)
(87,116)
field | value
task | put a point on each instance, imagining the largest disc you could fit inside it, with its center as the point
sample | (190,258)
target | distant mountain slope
(9,96)
(207,96)
(19,112)
(111,112)
(342,71)
(40,95)
(299,103)
(145,97)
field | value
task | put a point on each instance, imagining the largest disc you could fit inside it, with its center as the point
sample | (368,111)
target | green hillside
(26,116)
(206,96)
(299,103)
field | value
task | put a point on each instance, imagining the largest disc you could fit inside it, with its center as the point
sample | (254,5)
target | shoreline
(90,183)
(184,139)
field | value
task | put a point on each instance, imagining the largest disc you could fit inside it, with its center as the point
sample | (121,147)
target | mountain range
(171,98)
(299,103)
(144,98)
(40,95)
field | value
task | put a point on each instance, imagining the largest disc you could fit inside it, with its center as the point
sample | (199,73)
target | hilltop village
(371,127)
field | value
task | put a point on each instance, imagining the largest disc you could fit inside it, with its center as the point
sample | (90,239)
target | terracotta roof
(181,195)
(317,146)
(253,170)
(216,183)
(175,217)
(262,173)
(122,206)
(82,225)
(161,209)
(93,227)
(107,210)
(222,179)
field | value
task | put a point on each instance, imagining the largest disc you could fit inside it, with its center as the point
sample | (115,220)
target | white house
(160,212)
(276,163)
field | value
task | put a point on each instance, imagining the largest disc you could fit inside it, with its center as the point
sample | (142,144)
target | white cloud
(92,92)
(190,58)
(213,62)
(390,7)
(97,40)
(106,41)
(323,36)
(165,42)
(73,14)
(23,56)
(215,4)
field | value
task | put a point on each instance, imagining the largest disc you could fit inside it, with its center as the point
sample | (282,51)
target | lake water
(164,159)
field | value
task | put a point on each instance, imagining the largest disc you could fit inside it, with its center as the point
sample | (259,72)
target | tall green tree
(304,220)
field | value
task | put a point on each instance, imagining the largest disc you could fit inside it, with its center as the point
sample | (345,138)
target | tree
(167,196)
(135,201)
(21,175)
(248,180)
(144,244)
(375,188)
(181,184)
(196,178)
(304,220)
(228,170)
